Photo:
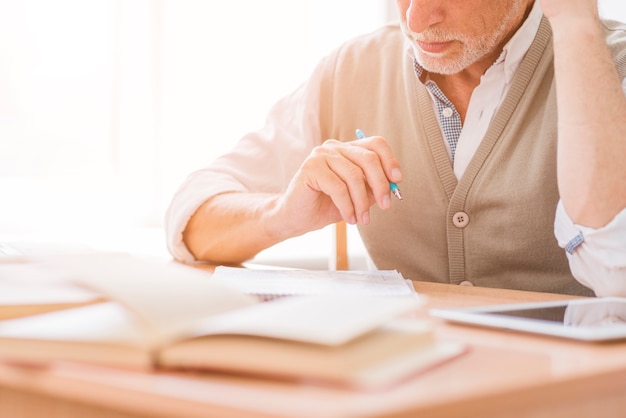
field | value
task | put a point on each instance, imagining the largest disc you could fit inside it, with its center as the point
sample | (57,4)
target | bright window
(106,105)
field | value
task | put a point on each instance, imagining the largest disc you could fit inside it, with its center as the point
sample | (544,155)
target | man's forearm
(592,122)
(232,228)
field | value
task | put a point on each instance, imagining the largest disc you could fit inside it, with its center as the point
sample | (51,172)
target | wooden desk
(505,374)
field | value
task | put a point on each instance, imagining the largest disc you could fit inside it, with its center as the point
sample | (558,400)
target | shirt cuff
(196,190)
(607,244)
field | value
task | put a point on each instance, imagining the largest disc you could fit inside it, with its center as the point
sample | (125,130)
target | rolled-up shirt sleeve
(597,257)
(262,161)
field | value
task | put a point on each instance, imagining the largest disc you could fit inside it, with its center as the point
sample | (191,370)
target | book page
(104,333)
(168,297)
(26,289)
(322,319)
(272,283)
(32,283)
(106,322)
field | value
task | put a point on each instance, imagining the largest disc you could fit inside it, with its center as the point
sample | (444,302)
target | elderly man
(502,121)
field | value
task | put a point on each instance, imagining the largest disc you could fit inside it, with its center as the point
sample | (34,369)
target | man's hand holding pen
(341,180)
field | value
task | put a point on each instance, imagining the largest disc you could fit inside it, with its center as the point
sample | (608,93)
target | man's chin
(443,68)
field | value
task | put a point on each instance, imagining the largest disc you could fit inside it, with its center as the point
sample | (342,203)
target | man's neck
(458,87)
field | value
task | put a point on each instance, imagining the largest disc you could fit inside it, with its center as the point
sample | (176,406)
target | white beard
(472,48)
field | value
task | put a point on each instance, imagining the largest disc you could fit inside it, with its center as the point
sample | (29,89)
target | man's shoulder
(612,25)
(391,30)
(615,31)
(615,34)
(388,40)
(387,35)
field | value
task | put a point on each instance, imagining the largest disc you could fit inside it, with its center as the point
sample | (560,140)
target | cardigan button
(460,219)
(466,283)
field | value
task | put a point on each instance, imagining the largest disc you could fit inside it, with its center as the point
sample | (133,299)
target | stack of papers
(269,284)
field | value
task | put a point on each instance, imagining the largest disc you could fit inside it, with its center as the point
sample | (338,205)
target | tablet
(588,319)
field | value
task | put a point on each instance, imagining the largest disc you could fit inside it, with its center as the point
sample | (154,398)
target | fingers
(354,175)
(350,191)
(374,154)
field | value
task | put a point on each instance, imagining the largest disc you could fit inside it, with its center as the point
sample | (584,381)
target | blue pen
(392,186)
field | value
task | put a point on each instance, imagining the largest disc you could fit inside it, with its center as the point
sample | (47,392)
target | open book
(172,316)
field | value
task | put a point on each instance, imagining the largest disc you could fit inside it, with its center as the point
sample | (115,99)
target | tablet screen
(587,319)
(551,313)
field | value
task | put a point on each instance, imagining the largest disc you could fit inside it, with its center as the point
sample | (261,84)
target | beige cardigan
(494,227)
